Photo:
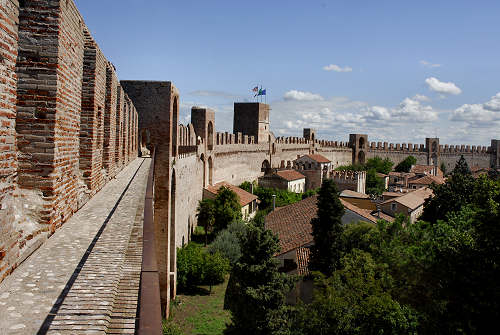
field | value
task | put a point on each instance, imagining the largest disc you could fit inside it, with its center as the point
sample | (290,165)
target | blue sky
(397,70)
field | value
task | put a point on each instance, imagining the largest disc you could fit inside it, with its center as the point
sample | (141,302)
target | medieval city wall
(52,117)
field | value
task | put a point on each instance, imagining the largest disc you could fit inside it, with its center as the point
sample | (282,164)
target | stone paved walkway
(85,278)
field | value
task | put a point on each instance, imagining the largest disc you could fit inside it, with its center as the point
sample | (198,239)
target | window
(394,206)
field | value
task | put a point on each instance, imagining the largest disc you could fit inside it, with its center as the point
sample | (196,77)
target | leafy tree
(227,208)
(443,167)
(457,191)
(354,300)
(327,229)
(215,268)
(380,165)
(374,184)
(406,164)
(351,167)
(256,290)
(206,215)
(227,242)
(309,193)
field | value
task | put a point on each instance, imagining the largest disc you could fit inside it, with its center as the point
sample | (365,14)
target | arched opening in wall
(210,171)
(361,157)
(175,126)
(312,137)
(172,236)
(202,158)
(265,166)
(144,149)
(361,142)
(210,135)
(434,146)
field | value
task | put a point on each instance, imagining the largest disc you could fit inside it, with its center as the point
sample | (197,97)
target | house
(410,204)
(292,225)
(425,181)
(312,162)
(385,178)
(290,180)
(478,171)
(398,181)
(359,200)
(426,170)
(248,201)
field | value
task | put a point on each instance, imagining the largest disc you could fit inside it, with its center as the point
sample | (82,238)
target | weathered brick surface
(49,104)
(109,163)
(92,117)
(58,114)
(120,110)
(9,18)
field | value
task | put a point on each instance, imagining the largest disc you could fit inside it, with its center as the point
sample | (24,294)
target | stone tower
(309,134)
(203,120)
(432,148)
(359,145)
(252,119)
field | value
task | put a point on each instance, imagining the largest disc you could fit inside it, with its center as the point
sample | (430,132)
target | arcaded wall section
(9,245)
(52,121)
(92,119)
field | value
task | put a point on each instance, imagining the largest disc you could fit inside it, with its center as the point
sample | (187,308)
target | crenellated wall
(57,116)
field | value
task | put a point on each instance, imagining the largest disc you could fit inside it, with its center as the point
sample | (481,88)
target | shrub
(195,267)
(227,242)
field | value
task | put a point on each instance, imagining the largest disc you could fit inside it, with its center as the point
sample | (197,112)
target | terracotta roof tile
(319,158)
(290,175)
(360,211)
(413,199)
(292,223)
(353,194)
(302,255)
(427,180)
(244,196)
(421,169)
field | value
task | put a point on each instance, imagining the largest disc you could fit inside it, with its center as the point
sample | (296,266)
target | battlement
(238,138)
(385,146)
(463,148)
(347,175)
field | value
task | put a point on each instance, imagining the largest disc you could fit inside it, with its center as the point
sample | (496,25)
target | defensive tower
(252,119)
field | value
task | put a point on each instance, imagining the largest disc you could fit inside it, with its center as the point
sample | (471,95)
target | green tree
(206,215)
(257,290)
(406,164)
(380,165)
(443,167)
(227,242)
(374,184)
(327,229)
(457,191)
(227,208)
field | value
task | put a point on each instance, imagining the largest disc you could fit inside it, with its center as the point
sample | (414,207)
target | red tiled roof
(420,169)
(290,175)
(319,158)
(244,196)
(302,255)
(427,180)
(292,223)
(413,199)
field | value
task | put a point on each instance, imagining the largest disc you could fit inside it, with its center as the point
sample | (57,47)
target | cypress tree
(327,229)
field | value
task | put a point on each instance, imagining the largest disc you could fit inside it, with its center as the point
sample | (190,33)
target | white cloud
(475,114)
(421,98)
(336,68)
(429,64)
(442,87)
(302,96)
(408,110)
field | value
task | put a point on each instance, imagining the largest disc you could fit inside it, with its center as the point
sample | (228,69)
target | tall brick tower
(252,119)
(359,145)
(432,148)
(309,134)
(203,120)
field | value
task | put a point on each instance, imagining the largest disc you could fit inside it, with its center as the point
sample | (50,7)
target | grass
(199,312)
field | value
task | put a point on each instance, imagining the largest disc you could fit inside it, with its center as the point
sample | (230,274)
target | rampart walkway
(85,278)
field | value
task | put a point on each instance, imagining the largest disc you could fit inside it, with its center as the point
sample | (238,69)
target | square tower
(495,154)
(252,119)
(432,148)
(309,134)
(203,120)
(359,145)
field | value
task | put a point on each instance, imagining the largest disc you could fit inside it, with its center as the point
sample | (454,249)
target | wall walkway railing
(149,310)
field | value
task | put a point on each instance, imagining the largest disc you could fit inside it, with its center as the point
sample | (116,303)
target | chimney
(274,202)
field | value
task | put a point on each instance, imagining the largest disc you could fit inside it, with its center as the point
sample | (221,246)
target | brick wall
(92,117)
(120,106)
(109,163)
(9,18)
